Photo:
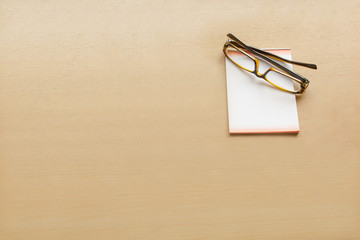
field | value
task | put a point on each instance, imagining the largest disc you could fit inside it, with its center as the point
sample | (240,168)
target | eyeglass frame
(268,57)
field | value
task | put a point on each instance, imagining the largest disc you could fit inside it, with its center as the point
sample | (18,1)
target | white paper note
(256,107)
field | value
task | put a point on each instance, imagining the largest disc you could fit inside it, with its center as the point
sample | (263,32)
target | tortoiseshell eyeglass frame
(268,57)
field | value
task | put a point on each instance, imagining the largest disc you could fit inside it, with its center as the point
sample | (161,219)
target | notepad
(254,106)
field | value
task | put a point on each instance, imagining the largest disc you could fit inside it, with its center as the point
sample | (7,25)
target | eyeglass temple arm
(309,65)
(244,46)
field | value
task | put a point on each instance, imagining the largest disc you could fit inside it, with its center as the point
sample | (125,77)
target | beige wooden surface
(113,122)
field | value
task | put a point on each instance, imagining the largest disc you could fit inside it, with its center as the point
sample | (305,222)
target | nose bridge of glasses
(256,71)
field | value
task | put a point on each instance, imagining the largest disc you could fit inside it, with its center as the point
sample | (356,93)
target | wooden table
(113,123)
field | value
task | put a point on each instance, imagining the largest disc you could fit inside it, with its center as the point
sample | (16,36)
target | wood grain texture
(113,122)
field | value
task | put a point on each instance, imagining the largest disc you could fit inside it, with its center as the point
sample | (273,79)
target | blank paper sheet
(254,106)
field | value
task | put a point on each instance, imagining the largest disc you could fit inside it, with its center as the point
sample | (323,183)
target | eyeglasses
(247,58)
